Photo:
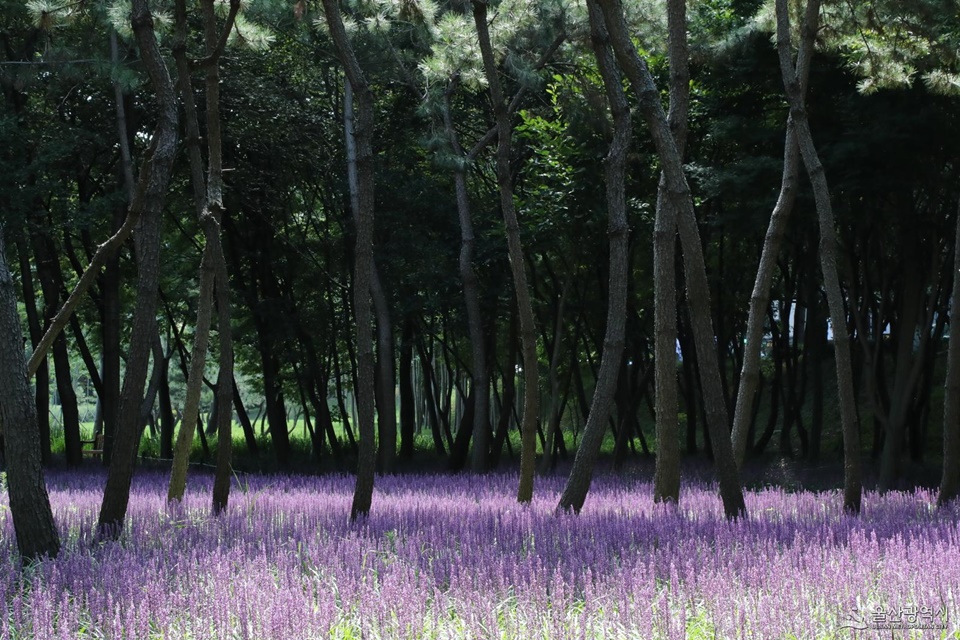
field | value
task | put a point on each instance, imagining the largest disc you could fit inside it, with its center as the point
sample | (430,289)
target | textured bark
(153,183)
(30,509)
(698,290)
(363,260)
(528,331)
(666,478)
(852,482)
(950,481)
(578,483)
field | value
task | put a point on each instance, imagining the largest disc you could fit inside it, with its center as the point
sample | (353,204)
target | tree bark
(30,509)
(852,483)
(698,291)
(363,260)
(578,483)
(528,331)
(153,183)
(666,478)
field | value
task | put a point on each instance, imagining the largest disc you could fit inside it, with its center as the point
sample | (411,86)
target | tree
(950,480)
(148,201)
(363,258)
(29,503)
(760,298)
(698,292)
(208,201)
(528,330)
(852,489)
(666,478)
(578,483)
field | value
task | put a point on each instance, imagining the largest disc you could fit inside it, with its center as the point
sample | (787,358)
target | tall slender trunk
(666,478)
(386,386)
(578,483)
(852,483)
(950,481)
(208,201)
(41,393)
(153,183)
(556,408)
(528,331)
(408,415)
(33,522)
(363,260)
(698,290)
(760,297)
(479,374)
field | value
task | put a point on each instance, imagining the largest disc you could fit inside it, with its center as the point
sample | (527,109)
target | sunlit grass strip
(456,557)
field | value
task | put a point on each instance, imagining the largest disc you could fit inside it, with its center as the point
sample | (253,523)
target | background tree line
(471,231)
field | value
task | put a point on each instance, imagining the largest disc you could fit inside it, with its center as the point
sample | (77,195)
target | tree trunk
(41,394)
(154,180)
(30,509)
(852,484)
(698,291)
(528,331)
(363,259)
(950,481)
(479,374)
(208,201)
(408,415)
(385,387)
(578,483)
(760,298)
(666,478)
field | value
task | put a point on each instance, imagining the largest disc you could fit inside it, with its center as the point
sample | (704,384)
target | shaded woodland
(474,234)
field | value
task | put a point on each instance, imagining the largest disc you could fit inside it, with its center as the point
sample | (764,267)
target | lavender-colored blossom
(457,557)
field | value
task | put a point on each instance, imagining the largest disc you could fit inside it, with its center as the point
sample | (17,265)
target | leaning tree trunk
(528,330)
(154,180)
(698,290)
(760,297)
(578,483)
(208,201)
(363,260)
(30,509)
(950,481)
(852,483)
(666,477)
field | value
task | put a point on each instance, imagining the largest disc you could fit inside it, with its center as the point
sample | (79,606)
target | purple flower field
(455,557)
